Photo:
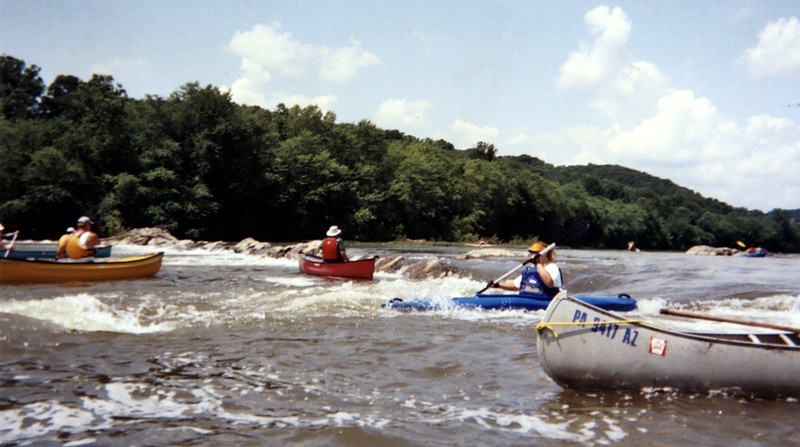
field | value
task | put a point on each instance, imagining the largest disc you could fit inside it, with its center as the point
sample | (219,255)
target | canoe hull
(508,302)
(46,251)
(609,353)
(360,269)
(13,271)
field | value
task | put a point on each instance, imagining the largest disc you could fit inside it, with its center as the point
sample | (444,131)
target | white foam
(780,310)
(41,418)
(523,423)
(82,312)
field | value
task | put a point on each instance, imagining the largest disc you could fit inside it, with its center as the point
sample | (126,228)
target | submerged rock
(147,236)
(490,253)
(251,246)
(432,268)
(291,251)
(705,250)
(390,264)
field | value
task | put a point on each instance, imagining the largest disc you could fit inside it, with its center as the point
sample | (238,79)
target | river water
(230,349)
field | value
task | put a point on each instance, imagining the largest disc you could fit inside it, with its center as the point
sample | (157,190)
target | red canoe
(361,269)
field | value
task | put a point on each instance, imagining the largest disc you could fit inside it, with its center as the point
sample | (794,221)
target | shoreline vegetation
(206,168)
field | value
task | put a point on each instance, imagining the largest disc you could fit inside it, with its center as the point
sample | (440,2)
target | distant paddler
(3,246)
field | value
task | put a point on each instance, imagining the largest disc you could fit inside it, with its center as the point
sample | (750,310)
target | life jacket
(62,242)
(330,249)
(532,284)
(75,250)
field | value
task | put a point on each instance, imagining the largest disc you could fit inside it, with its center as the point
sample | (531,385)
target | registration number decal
(610,330)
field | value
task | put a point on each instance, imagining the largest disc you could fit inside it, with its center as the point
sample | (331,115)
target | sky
(703,93)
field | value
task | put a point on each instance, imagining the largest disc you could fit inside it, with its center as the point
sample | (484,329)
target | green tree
(20,88)
(421,193)
(311,191)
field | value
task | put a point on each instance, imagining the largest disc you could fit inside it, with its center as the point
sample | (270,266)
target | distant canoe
(46,250)
(45,271)
(584,347)
(360,269)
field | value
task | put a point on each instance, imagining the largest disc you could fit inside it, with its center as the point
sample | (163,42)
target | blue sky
(706,94)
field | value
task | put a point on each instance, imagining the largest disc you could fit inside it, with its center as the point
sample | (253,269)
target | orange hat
(536,247)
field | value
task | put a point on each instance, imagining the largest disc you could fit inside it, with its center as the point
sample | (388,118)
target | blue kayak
(757,253)
(621,303)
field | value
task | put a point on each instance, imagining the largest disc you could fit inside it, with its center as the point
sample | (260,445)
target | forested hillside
(207,168)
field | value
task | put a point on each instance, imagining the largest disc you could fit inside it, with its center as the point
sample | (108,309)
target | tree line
(206,168)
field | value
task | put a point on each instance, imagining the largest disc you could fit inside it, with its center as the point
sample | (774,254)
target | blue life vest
(532,284)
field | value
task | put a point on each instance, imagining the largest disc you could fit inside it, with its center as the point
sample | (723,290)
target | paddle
(741,244)
(13,239)
(682,313)
(574,231)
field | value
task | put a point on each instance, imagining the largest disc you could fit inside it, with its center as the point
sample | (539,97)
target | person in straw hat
(542,278)
(333,246)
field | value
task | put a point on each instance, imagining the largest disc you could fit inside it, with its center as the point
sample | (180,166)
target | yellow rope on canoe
(549,326)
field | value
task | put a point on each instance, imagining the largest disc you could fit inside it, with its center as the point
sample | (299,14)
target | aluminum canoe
(45,271)
(584,347)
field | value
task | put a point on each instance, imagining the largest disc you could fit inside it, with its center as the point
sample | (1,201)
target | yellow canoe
(39,271)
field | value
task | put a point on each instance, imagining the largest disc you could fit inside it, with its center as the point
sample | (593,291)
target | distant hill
(621,183)
(793,214)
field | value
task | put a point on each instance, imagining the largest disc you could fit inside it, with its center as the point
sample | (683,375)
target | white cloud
(680,133)
(778,50)
(472,133)
(650,125)
(273,50)
(761,170)
(634,92)
(325,103)
(250,89)
(403,114)
(341,64)
(594,63)
(268,52)
(247,91)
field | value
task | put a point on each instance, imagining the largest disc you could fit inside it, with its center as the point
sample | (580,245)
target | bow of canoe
(41,271)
